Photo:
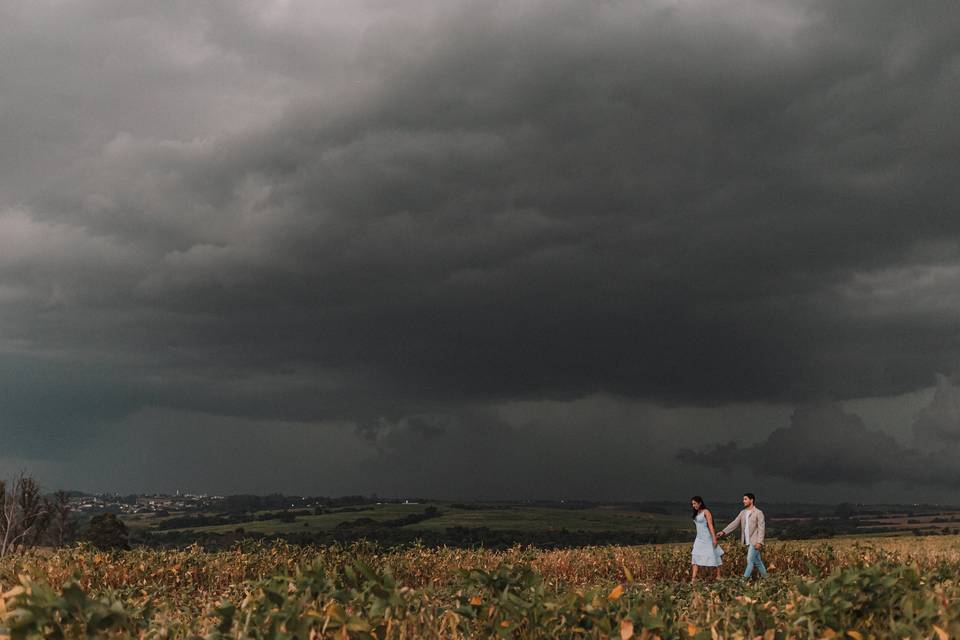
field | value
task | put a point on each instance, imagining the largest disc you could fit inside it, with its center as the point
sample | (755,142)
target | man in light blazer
(752,529)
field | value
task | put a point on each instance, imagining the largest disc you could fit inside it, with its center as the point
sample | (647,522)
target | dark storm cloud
(938,424)
(372,213)
(824,444)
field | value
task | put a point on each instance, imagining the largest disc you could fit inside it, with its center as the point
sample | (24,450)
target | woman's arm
(709,517)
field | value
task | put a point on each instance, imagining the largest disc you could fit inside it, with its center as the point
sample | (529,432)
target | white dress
(704,553)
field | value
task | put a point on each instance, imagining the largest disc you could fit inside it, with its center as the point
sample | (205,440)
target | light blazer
(757,526)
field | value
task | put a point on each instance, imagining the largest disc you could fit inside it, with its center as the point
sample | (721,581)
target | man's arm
(761,526)
(733,525)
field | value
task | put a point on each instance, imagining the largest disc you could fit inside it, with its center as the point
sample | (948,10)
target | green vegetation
(508,518)
(500,525)
(107,531)
(432,523)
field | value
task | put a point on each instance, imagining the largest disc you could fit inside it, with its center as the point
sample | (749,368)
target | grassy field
(530,518)
(507,518)
(508,523)
(876,588)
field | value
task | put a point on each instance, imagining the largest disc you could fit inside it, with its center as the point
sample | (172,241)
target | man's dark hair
(752,497)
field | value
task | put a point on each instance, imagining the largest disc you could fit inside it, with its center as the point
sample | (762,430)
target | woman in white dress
(705,553)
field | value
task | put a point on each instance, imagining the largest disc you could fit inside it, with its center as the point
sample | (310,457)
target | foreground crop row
(901,589)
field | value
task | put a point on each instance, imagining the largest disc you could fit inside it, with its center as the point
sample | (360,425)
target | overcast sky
(610,250)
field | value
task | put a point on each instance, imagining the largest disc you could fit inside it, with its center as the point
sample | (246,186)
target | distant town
(135,504)
(162,504)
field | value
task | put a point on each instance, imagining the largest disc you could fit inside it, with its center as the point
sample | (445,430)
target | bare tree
(25,515)
(36,511)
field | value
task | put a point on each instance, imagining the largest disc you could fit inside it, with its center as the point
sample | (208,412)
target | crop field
(866,588)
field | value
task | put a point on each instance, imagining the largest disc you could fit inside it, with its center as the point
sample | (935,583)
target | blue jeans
(753,560)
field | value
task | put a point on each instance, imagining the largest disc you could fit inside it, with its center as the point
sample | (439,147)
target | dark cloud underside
(368,213)
(824,445)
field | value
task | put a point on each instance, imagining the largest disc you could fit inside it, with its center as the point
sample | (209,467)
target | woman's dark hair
(698,500)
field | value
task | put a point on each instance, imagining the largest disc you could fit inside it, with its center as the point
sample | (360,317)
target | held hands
(714,540)
(721,534)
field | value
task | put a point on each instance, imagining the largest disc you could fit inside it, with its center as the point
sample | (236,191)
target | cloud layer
(364,213)
(826,445)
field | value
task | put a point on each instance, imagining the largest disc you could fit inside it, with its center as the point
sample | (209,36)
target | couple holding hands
(706,551)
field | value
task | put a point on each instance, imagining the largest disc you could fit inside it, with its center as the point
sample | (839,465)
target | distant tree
(106,531)
(845,511)
(61,527)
